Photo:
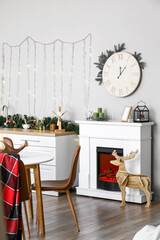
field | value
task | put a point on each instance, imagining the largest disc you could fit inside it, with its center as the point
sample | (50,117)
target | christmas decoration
(104,56)
(16,121)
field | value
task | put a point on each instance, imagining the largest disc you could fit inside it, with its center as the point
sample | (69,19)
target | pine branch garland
(17,120)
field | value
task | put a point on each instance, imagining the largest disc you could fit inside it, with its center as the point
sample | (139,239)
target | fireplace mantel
(129,137)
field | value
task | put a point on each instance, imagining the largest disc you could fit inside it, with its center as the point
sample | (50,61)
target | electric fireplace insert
(106,172)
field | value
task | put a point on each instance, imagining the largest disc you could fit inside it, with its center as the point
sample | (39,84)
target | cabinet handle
(30,140)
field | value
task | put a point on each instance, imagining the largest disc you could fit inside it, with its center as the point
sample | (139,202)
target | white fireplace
(115,135)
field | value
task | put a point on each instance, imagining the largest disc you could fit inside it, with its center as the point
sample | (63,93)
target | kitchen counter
(34,132)
(59,145)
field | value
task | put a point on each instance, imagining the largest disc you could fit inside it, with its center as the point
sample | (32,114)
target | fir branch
(103,58)
(139,58)
(120,47)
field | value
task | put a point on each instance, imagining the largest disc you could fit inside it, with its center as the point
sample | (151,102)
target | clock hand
(121,71)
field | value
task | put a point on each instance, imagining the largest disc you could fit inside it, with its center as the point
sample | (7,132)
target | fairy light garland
(18,77)
(9,79)
(62,73)
(44,79)
(54,77)
(86,73)
(35,71)
(2,78)
(71,77)
(84,78)
(89,74)
(28,76)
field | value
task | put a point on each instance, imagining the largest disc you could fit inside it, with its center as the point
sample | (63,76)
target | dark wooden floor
(98,219)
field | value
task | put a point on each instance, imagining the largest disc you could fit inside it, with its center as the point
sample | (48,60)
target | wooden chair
(24,188)
(64,185)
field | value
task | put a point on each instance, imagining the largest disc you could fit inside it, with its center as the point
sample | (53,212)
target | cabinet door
(37,141)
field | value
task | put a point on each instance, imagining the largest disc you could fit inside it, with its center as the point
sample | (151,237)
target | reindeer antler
(114,153)
(131,155)
(11,150)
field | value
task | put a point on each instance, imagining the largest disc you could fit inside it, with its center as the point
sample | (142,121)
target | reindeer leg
(148,195)
(147,192)
(123,191)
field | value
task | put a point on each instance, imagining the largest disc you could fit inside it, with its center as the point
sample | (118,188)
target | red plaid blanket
(10,186)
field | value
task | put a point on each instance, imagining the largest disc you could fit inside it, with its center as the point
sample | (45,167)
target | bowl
(26,126)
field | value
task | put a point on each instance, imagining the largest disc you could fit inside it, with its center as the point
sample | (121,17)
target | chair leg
(72,208)
(37,220)
(26,216)
(23,233)
(30,203)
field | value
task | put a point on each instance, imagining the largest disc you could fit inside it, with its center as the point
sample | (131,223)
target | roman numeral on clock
(127,90)
(113,89)
(135,73)
(105,74)
(107,83)
(120,92)
(133,84)
(113,59)
(134,64)
(120,56)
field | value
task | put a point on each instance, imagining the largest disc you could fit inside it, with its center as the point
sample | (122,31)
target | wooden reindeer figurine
(126,179)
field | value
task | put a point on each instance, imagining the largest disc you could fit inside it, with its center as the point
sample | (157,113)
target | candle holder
(141,112)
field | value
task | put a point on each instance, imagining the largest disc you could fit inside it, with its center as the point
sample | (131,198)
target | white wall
(135,23)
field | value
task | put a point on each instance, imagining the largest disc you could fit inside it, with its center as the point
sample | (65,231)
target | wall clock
(121,74)
(120,71)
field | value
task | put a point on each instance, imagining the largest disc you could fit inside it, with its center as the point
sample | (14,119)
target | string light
(62,48)
(84,77)
(2,77)
(35,70)
(28,75)
(43,99)
(89,71)
(71,76)
(55,76)
(19,73)
(10,72)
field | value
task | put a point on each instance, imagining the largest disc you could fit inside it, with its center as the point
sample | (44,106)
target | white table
(34,157)
(31,160)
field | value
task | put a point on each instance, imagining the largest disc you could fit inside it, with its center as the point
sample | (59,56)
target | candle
(95,115)
(101,115)
(99,110)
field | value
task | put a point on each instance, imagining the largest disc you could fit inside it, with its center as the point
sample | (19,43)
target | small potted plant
(27,122)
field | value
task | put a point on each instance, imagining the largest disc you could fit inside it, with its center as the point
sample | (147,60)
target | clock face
(121,74)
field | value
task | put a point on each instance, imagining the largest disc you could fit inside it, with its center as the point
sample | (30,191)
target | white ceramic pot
(26,126)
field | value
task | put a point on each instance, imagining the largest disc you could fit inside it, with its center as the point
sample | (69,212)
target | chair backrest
(73,172)
(24,186)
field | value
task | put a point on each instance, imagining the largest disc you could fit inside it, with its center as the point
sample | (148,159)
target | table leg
(30,202)
(39,198)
